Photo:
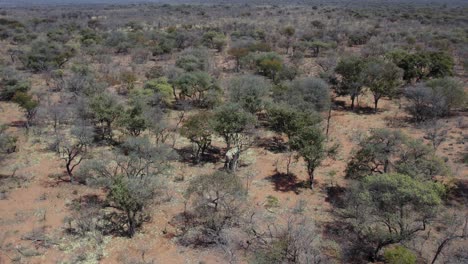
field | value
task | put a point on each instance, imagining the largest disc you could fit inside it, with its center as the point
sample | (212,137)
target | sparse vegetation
(233,132)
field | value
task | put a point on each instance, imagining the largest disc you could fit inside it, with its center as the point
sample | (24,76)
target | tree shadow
(335,196)
(287,182)
(275,144)
(459,193)
(211,155)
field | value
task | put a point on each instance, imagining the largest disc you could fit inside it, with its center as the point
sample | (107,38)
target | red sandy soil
(41,203)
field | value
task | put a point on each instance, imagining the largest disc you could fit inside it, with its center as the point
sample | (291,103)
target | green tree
(249,91)
(310,143)
(162,87)
(133,178)
(386,209)
(192,60)
(105,110)
(28,103)
(46,55)
(422,64)
(383,79)
(350,69)
(235,125)
(450,91)
(285,119)
(199,87)
(198,129)
(304,94)
(386,151)
(238,53)
(10,83)
(217,201)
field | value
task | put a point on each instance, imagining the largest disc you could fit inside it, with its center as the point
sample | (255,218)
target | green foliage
(450,91)
(165,45)
(90,37)
(399,255)
(386,151)
(268,64)
(28,103)
(214,40)
(198,129)
(199,87)
(11,83)
(285,119)
(46,55)
(192,60)
(382,78)
(350,69)
(310,144)
(231,121)
(311,94)
(162,87)
(249,91)
(391,208)
(105,110)
(436,98)
(422,64)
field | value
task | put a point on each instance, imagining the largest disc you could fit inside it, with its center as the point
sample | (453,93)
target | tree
(450,91)
(284,119)
(455,224)
(317,45)
(217,201)
(249,91)
(268,64)
(295,241)
(310,143)
(422,64)
(12,82)
(192,60)
(350,69)
(28,103)
(199,87)
(74,149)
(386,209)
(309,94)
(198,129)
(214,40)
(386,151)
(234,124)
(435,132)
(423,104)
(47,55)
(435,98)
(162,87)
(7,142)
(382,78)
(288,32)
(132,178)
(238,53)
(105,110)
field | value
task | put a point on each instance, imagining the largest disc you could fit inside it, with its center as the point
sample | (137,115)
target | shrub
(399,255)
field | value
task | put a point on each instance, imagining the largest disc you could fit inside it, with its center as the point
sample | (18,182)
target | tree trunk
(352,101)
(311,177)
(131,224)
(328,120)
